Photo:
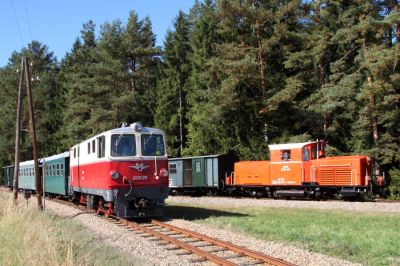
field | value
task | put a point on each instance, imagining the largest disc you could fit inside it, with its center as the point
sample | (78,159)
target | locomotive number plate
(140,177)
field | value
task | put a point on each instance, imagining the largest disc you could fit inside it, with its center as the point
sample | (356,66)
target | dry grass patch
(31,237)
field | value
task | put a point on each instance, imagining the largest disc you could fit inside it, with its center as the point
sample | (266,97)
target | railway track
(205,247)
(196,243)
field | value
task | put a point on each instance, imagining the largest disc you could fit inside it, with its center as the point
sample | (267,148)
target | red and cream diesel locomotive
(123,171)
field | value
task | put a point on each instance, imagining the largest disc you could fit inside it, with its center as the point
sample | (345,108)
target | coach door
(78,163)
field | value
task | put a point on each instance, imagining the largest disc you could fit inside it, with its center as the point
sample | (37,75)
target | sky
(58,23)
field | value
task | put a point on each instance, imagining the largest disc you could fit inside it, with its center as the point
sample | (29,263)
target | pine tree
(174,84)
(201,126)
(378,120)
(78,70)
(110,80)
(46,95)
(8,103)
(332,54)
(140,57)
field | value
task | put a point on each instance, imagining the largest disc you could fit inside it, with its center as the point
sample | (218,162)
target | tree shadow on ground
(196,213)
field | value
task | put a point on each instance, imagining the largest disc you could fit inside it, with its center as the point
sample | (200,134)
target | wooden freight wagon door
(212,172)
(198,172)
(187,172)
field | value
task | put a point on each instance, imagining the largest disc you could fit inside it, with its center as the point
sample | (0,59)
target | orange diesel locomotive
(302,170)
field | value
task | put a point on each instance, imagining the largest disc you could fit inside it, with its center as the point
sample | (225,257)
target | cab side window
(101,146)
(285,155)
(306,154)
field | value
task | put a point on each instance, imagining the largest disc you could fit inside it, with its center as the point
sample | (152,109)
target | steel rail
(193,249)
(220,243)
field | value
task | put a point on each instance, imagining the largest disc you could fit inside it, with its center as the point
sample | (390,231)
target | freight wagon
(199,174)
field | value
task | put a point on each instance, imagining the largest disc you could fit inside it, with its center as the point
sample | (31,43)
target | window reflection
(123,145)
(153,145)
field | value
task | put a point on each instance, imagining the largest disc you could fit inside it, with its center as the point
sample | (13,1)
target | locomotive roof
(57,156)
(126,130)
(131,130)
(289,146)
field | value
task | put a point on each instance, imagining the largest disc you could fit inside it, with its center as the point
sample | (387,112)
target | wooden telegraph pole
(25,70)
(18,134)
(32,130)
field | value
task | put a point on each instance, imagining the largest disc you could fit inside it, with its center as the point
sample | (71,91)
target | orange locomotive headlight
(163,172)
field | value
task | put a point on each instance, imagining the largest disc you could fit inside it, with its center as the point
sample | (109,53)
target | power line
(28,20)
(16,20)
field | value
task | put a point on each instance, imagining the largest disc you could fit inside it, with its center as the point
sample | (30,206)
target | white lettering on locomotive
(140,177)
(285,168)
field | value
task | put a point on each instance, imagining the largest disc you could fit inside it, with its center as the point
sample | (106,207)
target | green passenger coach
(26,177)
(56,172)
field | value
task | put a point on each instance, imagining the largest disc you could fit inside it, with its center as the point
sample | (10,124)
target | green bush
(394,186)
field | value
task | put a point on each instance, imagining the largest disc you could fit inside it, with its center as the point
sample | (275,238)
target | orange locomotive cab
(291,163)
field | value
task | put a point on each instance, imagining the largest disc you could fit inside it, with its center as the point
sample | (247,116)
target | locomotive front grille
(343,176)
(334,176)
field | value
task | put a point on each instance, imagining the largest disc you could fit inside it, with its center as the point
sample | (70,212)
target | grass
(371,239)
(31,237)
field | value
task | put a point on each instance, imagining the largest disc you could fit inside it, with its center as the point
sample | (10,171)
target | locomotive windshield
(153,145)
(123,145)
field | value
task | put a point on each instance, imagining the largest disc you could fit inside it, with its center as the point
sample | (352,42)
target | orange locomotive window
(285,155)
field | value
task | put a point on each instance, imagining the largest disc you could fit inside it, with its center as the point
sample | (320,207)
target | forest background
(233,76)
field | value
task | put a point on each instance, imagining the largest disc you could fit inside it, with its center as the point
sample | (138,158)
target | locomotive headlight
(114,175)
(137,126)
(164,172)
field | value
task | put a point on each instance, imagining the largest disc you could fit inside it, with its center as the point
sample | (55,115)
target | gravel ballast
(156,254)
(286,252)
(300,204)
(121,238)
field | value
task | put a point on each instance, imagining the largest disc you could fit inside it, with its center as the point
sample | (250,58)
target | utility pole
(44,172)
(25,72)
(33,133)
(18,134)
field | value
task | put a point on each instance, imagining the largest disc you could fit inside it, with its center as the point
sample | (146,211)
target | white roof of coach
(26,163)
(57,156)
(289,146)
